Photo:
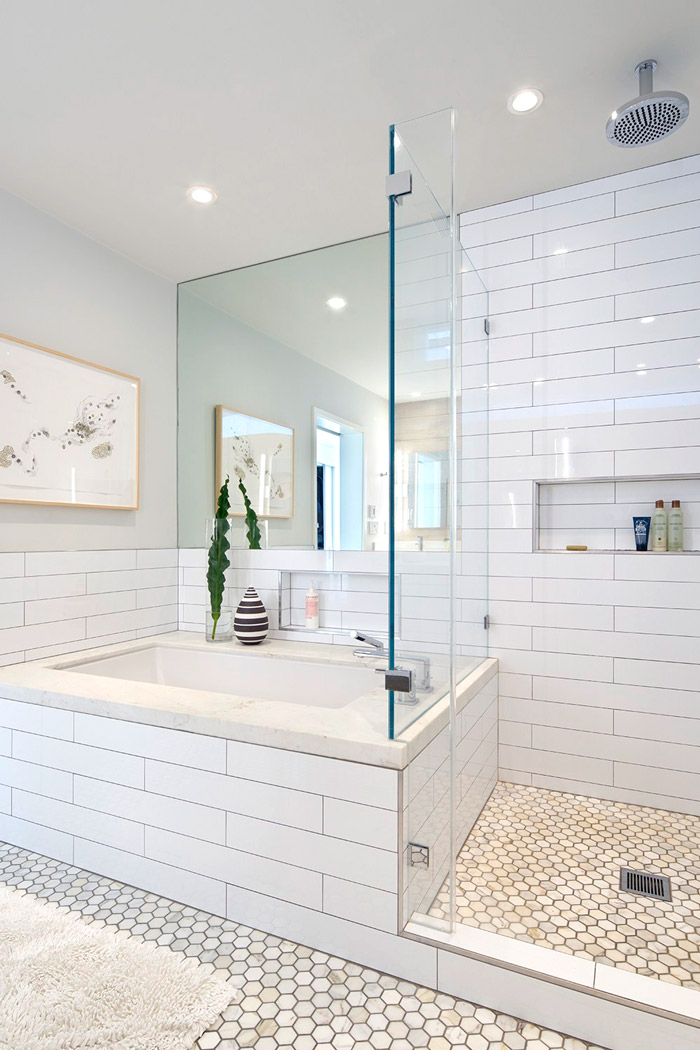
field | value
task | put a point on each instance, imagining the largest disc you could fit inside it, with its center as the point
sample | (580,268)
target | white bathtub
(313,683)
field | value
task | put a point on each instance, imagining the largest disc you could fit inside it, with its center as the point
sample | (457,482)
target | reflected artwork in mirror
(261,455)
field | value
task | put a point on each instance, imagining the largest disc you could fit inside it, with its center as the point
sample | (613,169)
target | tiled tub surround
(599,652)
(213,821)
(63,601)
(286,994)
(426,789)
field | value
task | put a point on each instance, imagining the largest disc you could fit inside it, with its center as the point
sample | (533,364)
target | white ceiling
(286,299)
(111,110)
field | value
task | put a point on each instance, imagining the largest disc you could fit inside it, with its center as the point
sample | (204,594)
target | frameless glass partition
(438,473)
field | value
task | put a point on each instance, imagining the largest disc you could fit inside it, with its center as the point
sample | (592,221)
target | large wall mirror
(283,381)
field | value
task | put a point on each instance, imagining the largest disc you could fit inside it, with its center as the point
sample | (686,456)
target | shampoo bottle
(312,609)
(675,526)
(659,527)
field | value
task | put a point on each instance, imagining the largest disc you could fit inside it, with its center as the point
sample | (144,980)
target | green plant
(217,560)
(251,520)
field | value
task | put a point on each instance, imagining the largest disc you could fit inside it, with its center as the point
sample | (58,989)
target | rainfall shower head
(651,116)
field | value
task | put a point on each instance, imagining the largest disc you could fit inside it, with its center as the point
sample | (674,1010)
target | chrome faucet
(374,646)
(375,649)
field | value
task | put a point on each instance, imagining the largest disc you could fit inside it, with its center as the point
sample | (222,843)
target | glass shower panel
(422,335)
(438,541)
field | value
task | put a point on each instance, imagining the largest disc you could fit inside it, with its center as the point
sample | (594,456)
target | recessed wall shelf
(333,610)
(597,512)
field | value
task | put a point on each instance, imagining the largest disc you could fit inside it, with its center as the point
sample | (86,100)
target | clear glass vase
(218,626)
(220,629)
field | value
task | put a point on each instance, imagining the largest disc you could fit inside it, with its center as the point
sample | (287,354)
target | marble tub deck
(357,732)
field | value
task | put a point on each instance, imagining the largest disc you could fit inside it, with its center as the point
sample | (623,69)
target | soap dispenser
(312,609)
(659,527)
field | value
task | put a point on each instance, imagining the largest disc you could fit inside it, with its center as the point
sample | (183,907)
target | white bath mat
(67,985)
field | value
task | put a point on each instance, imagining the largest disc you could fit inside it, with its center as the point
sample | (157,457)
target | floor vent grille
(645,884)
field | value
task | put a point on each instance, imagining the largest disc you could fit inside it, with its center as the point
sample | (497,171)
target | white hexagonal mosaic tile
(544,867)
(288,995)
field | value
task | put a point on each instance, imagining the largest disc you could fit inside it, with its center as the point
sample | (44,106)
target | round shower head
(651,116)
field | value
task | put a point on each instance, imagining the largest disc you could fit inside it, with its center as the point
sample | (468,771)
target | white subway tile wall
(352,588)
(598,377)
(60,601)
(132,802)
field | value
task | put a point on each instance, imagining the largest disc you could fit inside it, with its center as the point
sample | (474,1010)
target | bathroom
(450,794)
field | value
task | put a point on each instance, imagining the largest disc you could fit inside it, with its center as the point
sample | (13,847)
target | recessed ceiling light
(415,393)
(560,251)
(525,100)
(647,320)
(336,302)
(201,195)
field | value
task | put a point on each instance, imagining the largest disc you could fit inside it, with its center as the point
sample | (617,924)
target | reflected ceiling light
(525,101)
(647,320)
(336,302)
(560,251)
(415,393)
(641,364)
(201,195)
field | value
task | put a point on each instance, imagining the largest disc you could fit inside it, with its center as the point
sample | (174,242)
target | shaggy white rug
(67,985)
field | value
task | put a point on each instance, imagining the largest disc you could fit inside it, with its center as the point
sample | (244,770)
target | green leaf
(251,520)
(217,559)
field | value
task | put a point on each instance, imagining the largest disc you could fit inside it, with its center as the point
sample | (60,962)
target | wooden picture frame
(261,453)
(69,430)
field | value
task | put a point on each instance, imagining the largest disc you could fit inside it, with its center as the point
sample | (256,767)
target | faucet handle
(368,639)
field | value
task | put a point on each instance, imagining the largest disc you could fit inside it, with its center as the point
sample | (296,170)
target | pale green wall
(66,292)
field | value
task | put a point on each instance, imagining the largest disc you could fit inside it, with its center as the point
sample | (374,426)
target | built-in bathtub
(237,672)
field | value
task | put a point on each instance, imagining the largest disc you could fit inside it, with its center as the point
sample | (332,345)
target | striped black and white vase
(250,624)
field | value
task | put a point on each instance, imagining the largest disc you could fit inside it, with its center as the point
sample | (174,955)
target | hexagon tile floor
(544,867)
(288,996)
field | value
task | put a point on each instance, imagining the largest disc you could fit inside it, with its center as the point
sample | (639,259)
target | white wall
(223,361)
(65,291)
(600,652)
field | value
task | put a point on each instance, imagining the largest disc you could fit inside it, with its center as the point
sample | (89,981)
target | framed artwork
(69,430)
(261,454)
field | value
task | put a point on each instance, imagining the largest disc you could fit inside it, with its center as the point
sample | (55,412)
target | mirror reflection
(283,385)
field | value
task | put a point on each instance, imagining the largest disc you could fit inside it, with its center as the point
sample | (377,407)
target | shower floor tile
(286,995)
(544,867)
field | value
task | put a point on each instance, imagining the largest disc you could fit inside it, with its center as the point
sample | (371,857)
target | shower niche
(597,512)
